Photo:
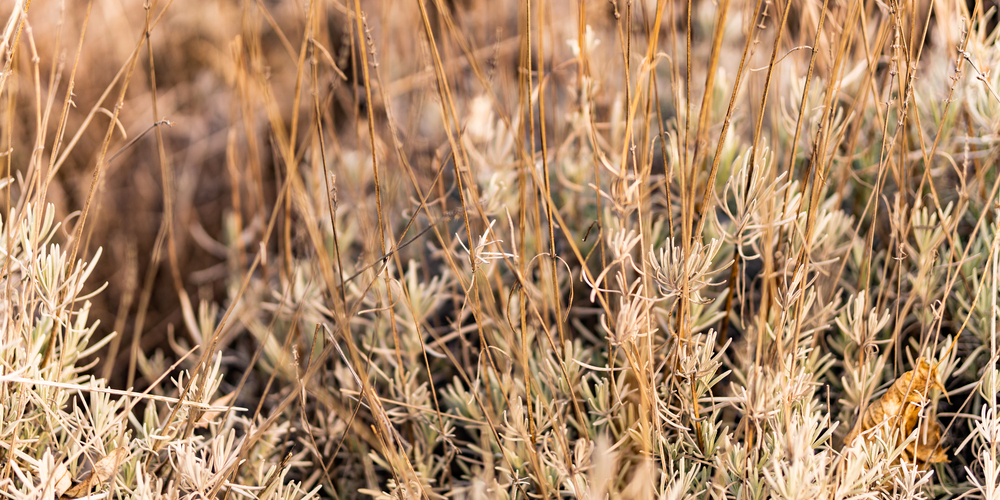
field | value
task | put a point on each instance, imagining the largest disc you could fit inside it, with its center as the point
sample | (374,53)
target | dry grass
(498,249)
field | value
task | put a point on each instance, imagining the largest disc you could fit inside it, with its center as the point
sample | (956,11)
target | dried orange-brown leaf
(103,470)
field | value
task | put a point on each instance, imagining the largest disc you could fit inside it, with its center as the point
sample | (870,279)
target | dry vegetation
(499,249)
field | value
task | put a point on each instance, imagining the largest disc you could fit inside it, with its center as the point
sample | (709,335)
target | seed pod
(899,411)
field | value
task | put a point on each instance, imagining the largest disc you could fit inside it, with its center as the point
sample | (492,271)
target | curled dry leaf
(899,411)
(103,470)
